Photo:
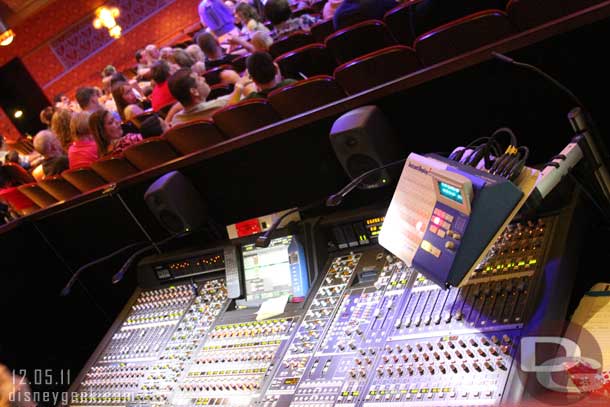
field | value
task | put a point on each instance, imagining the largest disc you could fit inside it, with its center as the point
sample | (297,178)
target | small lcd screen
(267,271)
(450,192)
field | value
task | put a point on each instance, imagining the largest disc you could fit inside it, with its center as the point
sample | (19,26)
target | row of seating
(350,77)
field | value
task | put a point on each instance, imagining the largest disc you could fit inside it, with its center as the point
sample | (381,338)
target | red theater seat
(16,174)
(463,35)
(19,202)
(219,90)
(359,39)
(309,60)
(139,119)
(84,178)
(531,13)
(321,30)
(150,153)
(189,137)
(58,188)
(212,76)
(295,40)
(113,168)
(38,195)
(244,117)
(305,95)
(376,68)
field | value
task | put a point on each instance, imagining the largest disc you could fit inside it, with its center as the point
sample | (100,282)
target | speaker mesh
(171,222)
(358,164)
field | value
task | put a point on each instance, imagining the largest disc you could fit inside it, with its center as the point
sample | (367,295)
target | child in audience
(126,101)
(83,150)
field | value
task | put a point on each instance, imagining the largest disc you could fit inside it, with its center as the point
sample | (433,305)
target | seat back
(113,168)
(358,39)
(18,201)
(150,153)
(310,60)
(139,119)
(58,188)
(189,137)
(322,29)
(363,72)
(84,178)
(219,90)
(463,35)
(244,117)
(292,41)
(38,195)
(212,76)
(165,110)
(526,14)
(304,10)
(239,63)
(305,95)
(16,174)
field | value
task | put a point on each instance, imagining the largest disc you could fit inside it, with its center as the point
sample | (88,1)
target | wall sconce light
(6,34)
(105,17)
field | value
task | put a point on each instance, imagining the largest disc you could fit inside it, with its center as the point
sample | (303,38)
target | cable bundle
(486,153)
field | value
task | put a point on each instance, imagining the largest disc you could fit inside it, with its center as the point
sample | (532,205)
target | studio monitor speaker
(176,203)
(363,140)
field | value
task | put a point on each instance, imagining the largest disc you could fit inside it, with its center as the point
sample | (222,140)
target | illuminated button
(433,228)
(441,233)
(449,245)
(448,218)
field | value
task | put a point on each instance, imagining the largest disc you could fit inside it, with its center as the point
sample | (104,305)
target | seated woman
(250,20)
(60,126)
(127,102)
(108,135)
(83,150)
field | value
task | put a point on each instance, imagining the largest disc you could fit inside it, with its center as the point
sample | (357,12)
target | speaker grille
(358,164)
(171,222)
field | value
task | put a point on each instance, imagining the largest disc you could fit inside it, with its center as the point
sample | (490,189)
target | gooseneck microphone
(66,290)
(337,198)
(582,124)
(123,270)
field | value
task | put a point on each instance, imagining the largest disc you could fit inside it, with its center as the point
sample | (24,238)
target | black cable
(155,245)
(336,198)
(66,290)
(264,239)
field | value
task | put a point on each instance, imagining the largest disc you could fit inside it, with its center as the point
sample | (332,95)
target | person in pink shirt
(161,95)
(83,150)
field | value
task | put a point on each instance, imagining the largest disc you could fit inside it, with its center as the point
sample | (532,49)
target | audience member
(214,54)
(161,95)
(216,16)
(166,53)
(108,135)
(195,53)
(261,41)
(352,10)
(54,158)
(191,90)
(182,58)
(152,53)
(126,101)
(83,150)
(278,12)
(266,75)
(330,8)
(250,19)
(88,100)
(60,125)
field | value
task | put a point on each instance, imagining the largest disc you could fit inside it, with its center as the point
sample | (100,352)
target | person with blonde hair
(83,150)
(60,126)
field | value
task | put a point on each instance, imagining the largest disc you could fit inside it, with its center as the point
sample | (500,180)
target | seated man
(265,74)
(191,90)
(55,160)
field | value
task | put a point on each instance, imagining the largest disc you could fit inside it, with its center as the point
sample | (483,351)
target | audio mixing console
(372,332)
